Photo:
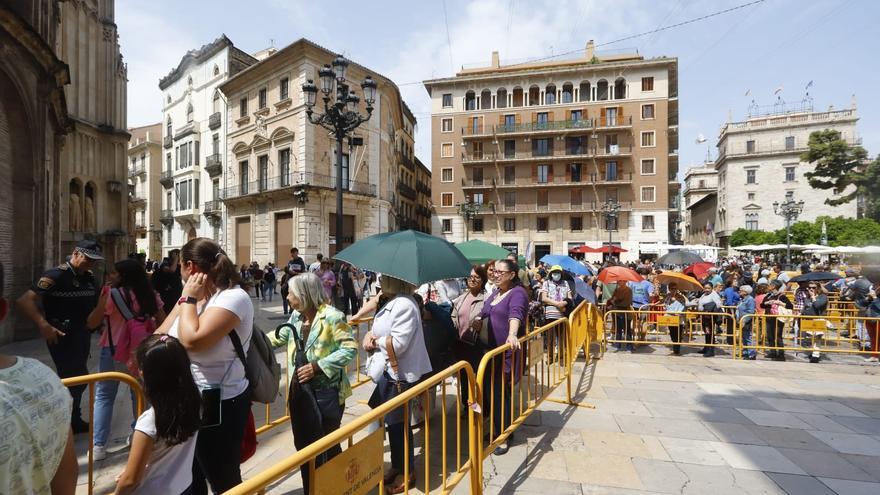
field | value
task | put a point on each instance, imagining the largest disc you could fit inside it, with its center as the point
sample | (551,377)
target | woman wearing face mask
(709,302)
(555,294)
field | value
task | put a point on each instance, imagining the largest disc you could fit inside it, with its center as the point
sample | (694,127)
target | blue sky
(759,48)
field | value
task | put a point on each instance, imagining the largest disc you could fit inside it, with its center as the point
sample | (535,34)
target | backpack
(137,328)
(260,366)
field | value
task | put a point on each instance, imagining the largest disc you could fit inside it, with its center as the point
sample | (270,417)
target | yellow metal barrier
(90,381)
(686,325)
(802,333)
(355,373)
(449,478)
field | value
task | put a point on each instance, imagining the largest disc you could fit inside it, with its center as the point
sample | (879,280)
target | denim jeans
(105,397)
(268,290)
(748,339)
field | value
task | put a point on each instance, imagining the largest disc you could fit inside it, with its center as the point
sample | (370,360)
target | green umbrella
(479,252)
(411,256)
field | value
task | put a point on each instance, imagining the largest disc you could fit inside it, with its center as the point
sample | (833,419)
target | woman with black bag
(472,341)
(319,347)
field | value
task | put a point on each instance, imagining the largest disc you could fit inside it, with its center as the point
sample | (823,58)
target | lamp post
(340,116)
(788,209)
(468,211)
(611,210)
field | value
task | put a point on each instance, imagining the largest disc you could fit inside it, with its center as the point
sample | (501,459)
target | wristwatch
(187,300)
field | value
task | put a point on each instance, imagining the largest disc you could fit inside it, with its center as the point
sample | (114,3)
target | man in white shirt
(314,267)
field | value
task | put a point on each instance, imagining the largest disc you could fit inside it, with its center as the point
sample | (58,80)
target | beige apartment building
(541,146)
(413,195)
(145,190)
(280,184)
(700,204)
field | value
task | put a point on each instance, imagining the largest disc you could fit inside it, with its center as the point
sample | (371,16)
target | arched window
(620,88)
(534,95)
(216,70)
(518,97)
(584,91)
(169,99)
(550,94)
(567,93)
(470,101)
(501,98)
(216,101)
(189,81)
(486,99)
(168,128)
(189,112)
(602,90)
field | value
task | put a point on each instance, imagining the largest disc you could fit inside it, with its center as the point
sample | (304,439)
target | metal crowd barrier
(355,373)
(90,380)
(802,333)
(657,322)
(361,463)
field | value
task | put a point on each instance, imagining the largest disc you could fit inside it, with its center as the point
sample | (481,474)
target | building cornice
(195,57)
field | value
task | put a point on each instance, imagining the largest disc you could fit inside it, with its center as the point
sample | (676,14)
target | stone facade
(144,190)
(542,146)
(280,189)
(410,203)
(759,163)
(698,225)
(33,122)
(194,142)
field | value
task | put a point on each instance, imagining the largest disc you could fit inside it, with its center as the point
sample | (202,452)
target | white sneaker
(872,359)
(99,453)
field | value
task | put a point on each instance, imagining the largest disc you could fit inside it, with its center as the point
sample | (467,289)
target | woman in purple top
(506,309)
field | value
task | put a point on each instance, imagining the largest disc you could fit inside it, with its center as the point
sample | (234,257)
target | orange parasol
(684,282)
(614,274)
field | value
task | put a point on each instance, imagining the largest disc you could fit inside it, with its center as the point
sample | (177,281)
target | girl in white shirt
(213,311)
(164,440)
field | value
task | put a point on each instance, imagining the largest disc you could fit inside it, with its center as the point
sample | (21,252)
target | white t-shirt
(169,469)
(210,366)
(34,425)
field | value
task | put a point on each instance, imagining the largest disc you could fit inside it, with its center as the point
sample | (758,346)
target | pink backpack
(137,328)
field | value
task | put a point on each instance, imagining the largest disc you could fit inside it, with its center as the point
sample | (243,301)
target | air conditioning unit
(614,149)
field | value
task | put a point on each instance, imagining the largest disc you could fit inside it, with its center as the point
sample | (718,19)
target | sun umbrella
(614,274)
(815,277)
(584,290)
(684,282)
(699,270)
(568,264)
(479,252)
(582,250)
(411,256)
(679,258)
(614,249)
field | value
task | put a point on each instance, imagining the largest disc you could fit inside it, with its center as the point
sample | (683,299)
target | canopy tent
(846,250)
(479,252)
(582,250)
(614,249)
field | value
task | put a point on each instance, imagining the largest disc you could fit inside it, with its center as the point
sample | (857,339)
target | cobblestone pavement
(661,424)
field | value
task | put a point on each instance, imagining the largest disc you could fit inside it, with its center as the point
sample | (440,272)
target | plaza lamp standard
(340,116)
(611,210)
(788,209)
(468,211)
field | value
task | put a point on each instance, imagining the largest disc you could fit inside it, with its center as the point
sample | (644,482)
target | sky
(754,49)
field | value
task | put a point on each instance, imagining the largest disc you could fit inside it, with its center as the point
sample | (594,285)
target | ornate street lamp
(611,211)
(468,211)
(340,116)
(788,209)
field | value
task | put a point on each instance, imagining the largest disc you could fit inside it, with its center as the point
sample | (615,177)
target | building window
(284,166)
(509,174)
(647,222)
(446,125)
(750,146)
(576,115)
(168,161)
(751,196)
(648,112)
(542,224)
(263,172)
(575,171)
(189,112)
(510,199)
(543,173)
(242,107)
(510,122)
(751,176)
(478,176)
(752,221)
(702,184)
(543,198)
(446,175)
(510,224)
(576,223)
(477,225)
(648,139)
(576,197)
(509,148)
(447,100)
(283,88)
(541,147)
(262,98)
(789,174)
(647,194)
(477,198)
(215,190)
(648,167)
(243,177)
(446,150)
(610,171)
(789,142)
(446,199)
(611,223)
(647,84)
(447,225)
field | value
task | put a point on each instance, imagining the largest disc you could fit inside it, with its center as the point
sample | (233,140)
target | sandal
(390,475)
(398,486)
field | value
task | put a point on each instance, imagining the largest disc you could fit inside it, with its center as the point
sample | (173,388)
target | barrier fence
(636,327)
(803,333)
(90,380)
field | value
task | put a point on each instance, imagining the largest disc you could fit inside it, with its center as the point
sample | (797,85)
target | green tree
(740,237)
(838,165)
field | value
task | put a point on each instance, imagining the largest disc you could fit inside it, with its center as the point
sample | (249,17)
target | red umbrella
(614,274)
(699,270)
(582,250)
(614,249)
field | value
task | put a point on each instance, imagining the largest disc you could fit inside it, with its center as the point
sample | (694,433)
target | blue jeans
(268,290)
(105,396)
(748,339)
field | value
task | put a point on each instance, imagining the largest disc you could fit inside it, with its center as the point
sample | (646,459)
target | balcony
(477,130)
(166,179)
(406,191)
(423,211)
(620,122)
(285,183)
(167,142)
(213,165)
(214,121)
(584,207)
(555,154)
(166,216)
(765,149)
(620,178)
(408,162)
(212,208)
(191,127)
(136,170)
(135,200)
(140,227)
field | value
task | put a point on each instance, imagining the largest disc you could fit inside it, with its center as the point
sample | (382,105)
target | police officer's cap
(90,249)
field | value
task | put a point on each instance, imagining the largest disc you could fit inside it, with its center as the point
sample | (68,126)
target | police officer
(69,293)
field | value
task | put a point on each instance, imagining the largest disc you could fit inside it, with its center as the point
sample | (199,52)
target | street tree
(839,165)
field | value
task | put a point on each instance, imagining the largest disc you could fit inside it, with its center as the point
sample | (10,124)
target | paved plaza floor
(661,424)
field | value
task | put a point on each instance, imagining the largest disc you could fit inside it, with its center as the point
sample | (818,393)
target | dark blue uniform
(68,298)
